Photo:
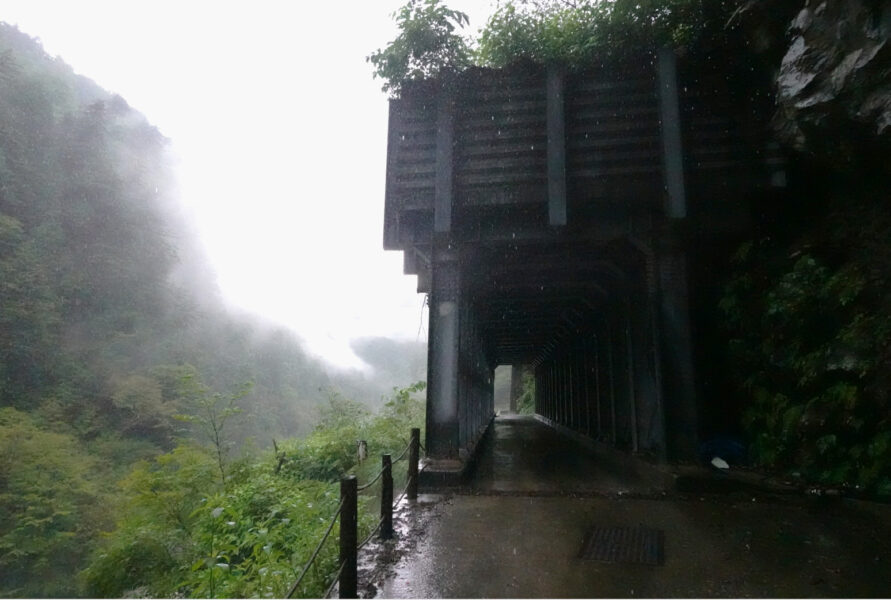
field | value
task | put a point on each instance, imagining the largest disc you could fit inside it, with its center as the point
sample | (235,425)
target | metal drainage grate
(635,545)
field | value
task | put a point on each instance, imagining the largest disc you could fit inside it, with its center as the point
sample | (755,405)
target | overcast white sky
(281,134)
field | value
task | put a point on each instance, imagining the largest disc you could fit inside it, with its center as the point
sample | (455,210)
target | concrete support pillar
(605,383)
(630,372)
(672,147)
(443,357)
(539,392)
(548,388)
(588,390)
(556,127)
(677,355)
(570,390)
(678,378)
(565,391)
(537,398)
(475,395)
(649,430)
(581,401)
(622,378)
(576,388)
(596,371)
(443,203)
(465,382)
(567,388)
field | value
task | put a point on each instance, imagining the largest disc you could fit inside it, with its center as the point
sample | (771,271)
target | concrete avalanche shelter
(556,220)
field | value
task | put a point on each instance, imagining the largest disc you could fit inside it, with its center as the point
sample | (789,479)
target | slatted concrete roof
(531,281)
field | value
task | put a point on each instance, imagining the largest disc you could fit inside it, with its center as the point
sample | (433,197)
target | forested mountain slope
(106,296)
(111,325)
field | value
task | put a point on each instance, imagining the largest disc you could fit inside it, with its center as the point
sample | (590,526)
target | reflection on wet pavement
(524,455)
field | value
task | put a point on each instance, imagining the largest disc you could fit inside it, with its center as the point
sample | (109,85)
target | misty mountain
(107,302)
(393,360)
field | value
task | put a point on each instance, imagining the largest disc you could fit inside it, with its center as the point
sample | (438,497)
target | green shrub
(576,35)
(184,532)
(152,543)
(809,338)
(50,507)
(526,401)
(426,45)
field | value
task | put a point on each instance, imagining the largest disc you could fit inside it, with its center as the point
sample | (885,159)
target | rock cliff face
(834,82)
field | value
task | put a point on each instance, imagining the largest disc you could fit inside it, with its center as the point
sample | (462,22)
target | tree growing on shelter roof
(428,43)
(571,33)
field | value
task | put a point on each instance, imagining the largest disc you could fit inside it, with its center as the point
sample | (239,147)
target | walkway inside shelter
(524,456)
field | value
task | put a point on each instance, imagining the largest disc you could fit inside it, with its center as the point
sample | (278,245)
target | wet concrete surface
(517,530)
(524,456)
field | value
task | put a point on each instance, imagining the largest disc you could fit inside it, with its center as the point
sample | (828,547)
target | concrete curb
(436,475)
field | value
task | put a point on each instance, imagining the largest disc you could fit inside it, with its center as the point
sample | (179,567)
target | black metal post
(386,497)
(413,457)
(348,537)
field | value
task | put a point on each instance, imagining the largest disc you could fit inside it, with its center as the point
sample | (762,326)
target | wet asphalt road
(518,530)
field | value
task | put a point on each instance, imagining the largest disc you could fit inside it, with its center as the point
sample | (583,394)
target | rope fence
(334,581)
(371,535)
(347,511)
(318,549)
(402,454)
(405,490)
(362,488)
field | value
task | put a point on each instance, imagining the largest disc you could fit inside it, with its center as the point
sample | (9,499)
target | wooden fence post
(386,497)
(348,586)
(413,457)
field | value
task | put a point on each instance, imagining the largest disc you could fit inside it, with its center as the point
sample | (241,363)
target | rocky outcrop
(834,82)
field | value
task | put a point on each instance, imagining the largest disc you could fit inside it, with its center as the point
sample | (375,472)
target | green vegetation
(426,46)
(526,401)
(51,504)
(810,323)
(577,35)
(573,34)
(181,531)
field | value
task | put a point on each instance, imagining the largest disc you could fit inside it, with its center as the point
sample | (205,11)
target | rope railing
(334,581)
(317,550)
(362,488)
(405,490)
(402,454)
(380,473)
(381,520)
(371,535)
(347,511)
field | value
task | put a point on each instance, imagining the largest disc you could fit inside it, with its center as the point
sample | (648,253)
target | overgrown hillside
(806,306)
